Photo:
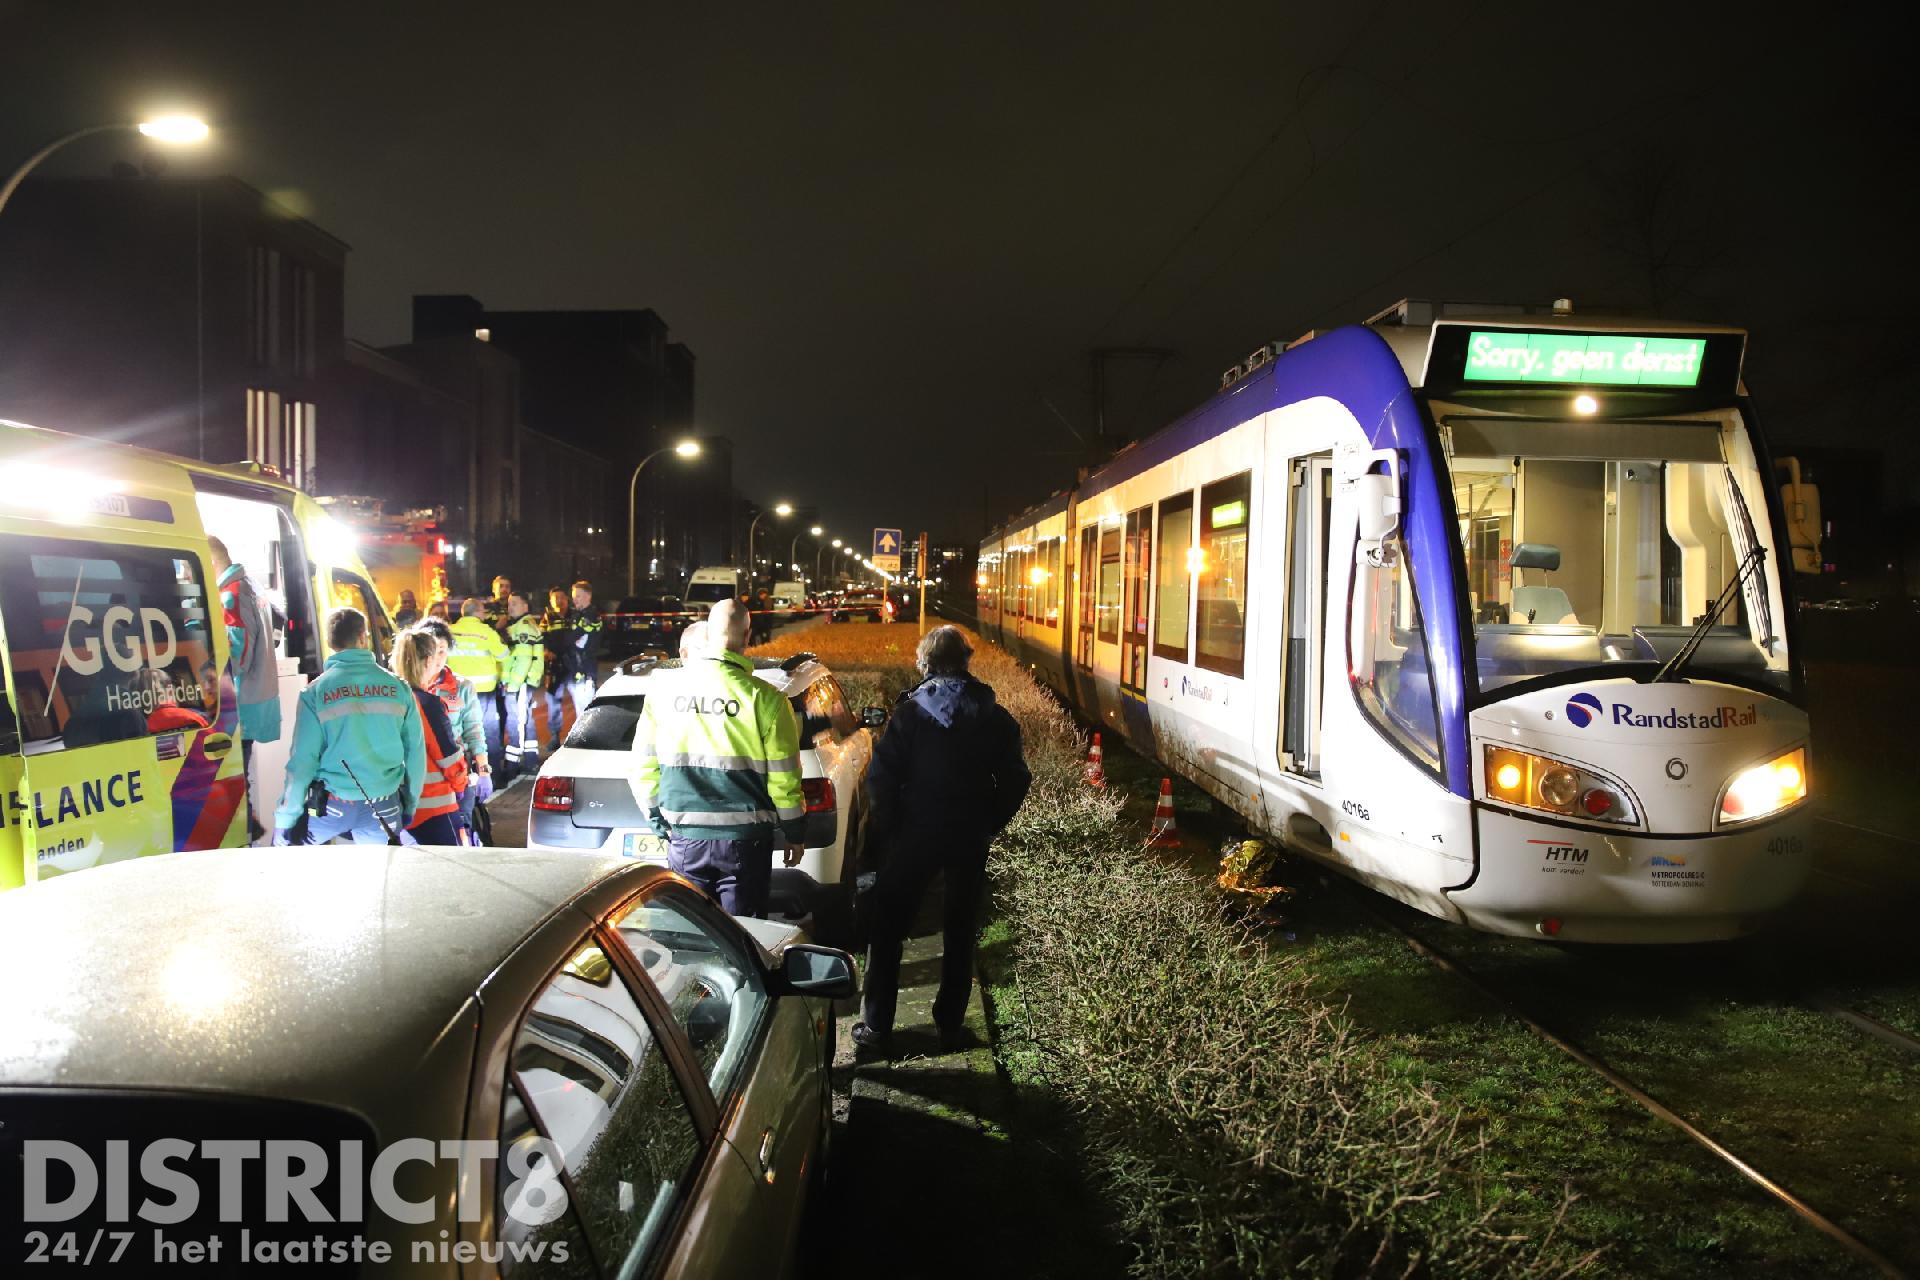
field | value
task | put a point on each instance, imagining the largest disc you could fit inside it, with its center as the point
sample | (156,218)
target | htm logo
(1582,708)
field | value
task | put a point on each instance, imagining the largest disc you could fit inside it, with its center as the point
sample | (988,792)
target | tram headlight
(1529,781)
(1765,789)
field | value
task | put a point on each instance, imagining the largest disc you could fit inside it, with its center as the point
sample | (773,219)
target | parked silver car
(591,1020)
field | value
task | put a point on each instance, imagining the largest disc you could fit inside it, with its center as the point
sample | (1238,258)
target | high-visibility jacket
(719,754)
(463,712)
(526,654)
(357,730)
(446,762)
(477,654)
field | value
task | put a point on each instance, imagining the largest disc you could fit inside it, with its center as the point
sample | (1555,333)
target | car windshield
(1594,543)
(710,592)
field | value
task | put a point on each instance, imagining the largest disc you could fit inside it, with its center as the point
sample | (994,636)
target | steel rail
(1807,1213)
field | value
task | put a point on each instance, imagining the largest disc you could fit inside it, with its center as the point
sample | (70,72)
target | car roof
(318,972)
(631,677)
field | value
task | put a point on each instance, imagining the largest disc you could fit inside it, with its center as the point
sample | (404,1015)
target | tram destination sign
(1588,359)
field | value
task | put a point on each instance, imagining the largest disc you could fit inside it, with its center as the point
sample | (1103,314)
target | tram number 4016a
(1786,845)
(1356,810)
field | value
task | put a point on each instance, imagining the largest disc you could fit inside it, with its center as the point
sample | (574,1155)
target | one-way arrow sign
(886,549)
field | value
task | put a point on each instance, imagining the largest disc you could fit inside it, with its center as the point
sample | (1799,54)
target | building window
(263,310)
(305,351)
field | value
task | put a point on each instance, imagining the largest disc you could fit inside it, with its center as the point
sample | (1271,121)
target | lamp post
(781,509)
(179,130)
(793,548)
(824,548)
(686,449)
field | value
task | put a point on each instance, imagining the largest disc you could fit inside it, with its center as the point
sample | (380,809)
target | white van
(711,585)
(788,597)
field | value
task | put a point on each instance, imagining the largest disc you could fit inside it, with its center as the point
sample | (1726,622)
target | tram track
(1774,1188)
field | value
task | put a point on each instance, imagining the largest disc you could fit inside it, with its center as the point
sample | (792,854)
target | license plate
(641,844)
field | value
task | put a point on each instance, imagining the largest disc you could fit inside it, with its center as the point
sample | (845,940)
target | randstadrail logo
(1581,709)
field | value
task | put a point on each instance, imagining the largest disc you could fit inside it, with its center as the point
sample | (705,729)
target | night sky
(891,233)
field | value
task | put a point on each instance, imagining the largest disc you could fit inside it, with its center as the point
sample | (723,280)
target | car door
(763,1061)
(597,1102)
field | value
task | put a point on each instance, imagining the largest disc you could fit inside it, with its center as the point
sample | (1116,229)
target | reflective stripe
(444,761)
(790,765)
(647,749)
(361,706)
(696,760)
(796,811)
(703,818)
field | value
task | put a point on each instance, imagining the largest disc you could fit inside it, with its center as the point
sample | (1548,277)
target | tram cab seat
(1540,606)
(1543,606)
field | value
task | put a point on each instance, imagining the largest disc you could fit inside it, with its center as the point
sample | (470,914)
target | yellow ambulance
(120,729)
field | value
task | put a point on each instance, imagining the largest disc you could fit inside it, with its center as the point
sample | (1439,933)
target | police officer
(479,657)
(573,638)
(357,748)
(720,769)
(526,670)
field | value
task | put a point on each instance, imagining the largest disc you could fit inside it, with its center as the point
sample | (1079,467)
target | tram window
(1109,603)
(1176,583)
(1083,578)
(1391,675)
(1139,580)
(1051,563)
(106,642)
(1585,562)
(1225,514)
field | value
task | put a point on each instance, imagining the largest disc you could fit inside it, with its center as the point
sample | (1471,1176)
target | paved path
(935,1170)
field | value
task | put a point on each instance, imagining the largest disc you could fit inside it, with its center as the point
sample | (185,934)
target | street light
(793,548)
(781,509)
(174,130)
(685,449)
(821,553)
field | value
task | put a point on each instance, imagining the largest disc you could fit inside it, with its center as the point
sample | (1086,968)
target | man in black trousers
(946,777)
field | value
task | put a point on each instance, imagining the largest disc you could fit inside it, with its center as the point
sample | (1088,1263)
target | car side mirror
(873,717)
(812,970)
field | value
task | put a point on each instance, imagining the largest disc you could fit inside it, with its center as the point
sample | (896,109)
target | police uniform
(526,670)
(480,658)
(357,730)
(720,776)
(573,638)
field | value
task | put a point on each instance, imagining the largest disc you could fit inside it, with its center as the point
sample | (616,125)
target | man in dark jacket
(946,777)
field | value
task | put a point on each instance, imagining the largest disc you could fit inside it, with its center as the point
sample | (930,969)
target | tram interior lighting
(1528,781)
(1765,789)
(1196,559)
(1586,406)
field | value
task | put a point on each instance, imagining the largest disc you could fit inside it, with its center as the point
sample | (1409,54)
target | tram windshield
(1595,544)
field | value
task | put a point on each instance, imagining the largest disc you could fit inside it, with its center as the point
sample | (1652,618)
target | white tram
(1483,606)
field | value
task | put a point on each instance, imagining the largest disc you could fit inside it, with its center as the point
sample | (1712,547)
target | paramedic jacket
(356,715)
(719,754)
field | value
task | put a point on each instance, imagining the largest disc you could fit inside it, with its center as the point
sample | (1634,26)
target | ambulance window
(350,591)
(107,643)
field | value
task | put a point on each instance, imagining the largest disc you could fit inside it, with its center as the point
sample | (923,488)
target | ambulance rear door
(127,724)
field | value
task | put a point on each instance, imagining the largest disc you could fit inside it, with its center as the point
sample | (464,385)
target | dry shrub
(1235,1123)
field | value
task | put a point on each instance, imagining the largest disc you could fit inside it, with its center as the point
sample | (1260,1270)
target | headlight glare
(1765,789)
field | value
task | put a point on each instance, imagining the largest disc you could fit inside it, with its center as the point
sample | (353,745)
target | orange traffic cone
(1165,833)
(1096,768)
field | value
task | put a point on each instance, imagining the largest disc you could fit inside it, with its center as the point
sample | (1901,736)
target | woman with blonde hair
(419,659)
